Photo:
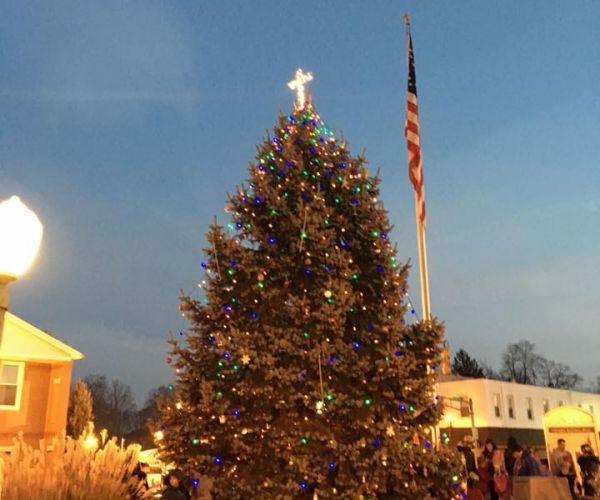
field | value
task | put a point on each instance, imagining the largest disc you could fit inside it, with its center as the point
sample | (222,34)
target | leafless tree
(521,363)
(558,375)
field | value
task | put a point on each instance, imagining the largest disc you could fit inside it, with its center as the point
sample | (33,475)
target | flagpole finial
(407,19)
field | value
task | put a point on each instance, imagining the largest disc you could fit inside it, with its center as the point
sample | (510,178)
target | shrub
(70,469)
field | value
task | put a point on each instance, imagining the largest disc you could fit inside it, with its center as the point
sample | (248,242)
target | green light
(329,397)
(230,272)
(260,285)
(367,402)
(411,408)
(221,364)
(337,200)
(219,394)
(304,235)
(330,300)
(304,172)
(358,189)
(375,234)
(306,334)
(236,367)
(340,178)
(355,276)
(273,212)
(326,221)
(285,195)
(304,441)
(195,441)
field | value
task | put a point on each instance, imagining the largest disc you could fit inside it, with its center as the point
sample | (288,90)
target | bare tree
(558,375)
(113,404)
(521,363)
(80,409)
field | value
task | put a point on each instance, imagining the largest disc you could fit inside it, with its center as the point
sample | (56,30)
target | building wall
(482,392)
(44,402)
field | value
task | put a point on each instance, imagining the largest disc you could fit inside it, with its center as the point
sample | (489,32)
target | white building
(503,409)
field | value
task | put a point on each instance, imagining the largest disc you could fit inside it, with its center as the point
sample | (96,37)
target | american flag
(411,131)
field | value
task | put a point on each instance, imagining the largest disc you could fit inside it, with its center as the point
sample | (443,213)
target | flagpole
(422,243)
(421,240)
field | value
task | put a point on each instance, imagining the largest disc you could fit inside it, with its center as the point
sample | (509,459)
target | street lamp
(20,237)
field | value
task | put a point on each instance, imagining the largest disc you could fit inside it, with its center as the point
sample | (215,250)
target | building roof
(25,342)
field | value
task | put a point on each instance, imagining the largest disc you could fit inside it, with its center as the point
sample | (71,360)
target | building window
(511,406)
(560,403)
(11,384)
(529,409)
(546,404)
(497,405)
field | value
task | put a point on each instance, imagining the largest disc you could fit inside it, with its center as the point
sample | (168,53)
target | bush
(70,469)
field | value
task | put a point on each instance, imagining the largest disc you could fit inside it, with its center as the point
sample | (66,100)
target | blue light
(343,165)
(331,359)
(376,442)
(289,164)
(195,482)
(258,200)
(370,326)
(383,236)
(356,345)
(211,339)
(303,485)
(427,444)
(233,263)
(203,264)
(218,460)
(303,375)
(313,150)
(181,334)
(398,354)
(332,465)
(227,355)
(308,272)
(379,269)
(272,240)
(239,225)
(253,315)
(402,408)
(227,308)
(236,413)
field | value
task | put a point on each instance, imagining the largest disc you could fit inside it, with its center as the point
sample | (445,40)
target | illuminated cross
(298,84)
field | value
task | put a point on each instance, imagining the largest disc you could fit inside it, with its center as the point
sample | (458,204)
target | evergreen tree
(298,374)
(465,365)
(80,409)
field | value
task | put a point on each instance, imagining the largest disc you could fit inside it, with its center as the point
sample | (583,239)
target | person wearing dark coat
(509,460)
(525,464)
(589,464)
(173,490)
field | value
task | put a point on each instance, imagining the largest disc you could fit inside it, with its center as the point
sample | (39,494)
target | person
(541,467)
(485,470)
(509,460)
(139,478)
(562,464)
(465,448)
(589,464)
(173,482)
(502,484)
(525,464)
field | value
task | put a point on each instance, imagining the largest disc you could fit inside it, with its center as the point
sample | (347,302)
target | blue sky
(124,124)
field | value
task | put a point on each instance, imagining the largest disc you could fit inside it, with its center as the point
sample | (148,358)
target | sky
(124,124)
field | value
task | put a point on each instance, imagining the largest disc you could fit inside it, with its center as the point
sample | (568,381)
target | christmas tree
(298,376)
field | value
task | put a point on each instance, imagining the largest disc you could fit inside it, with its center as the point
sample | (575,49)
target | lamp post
(20,237)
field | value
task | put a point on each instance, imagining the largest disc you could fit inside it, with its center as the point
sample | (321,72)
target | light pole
(20,237)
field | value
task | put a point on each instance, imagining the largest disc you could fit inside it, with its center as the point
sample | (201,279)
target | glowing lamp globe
(20,237)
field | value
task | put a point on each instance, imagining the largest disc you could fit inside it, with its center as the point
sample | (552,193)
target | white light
(298,84)
(90,442)
(20,237)
(159,435)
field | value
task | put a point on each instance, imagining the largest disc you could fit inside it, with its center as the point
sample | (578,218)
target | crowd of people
(175,486)
(491,470)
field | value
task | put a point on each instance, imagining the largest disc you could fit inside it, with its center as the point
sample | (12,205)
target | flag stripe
(411,132)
